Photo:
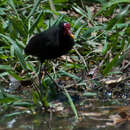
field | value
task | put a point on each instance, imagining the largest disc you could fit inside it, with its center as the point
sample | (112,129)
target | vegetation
(97,66)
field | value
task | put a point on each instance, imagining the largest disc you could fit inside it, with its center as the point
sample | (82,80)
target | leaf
(80,11)
(15,114)
(105,48)
(20,57)
(8,98)
(31,66)
(78,31)
(111,64)
(17,50)
(109,4)
(89,94)
(62,72)
(18,26)
(117,18)
(113,81)
(35,22)
(11,41)
(36,4)
(12,50)
(5,67)
(71,103)
(11,3)
(13,74)
(23,104)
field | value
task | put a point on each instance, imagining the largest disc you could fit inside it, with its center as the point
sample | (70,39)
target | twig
(81,57)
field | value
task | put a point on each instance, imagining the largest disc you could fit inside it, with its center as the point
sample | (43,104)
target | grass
(102,43)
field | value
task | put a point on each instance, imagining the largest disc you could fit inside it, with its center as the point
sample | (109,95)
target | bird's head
(67,30)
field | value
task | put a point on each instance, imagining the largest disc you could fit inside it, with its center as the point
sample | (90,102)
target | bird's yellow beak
(72,35)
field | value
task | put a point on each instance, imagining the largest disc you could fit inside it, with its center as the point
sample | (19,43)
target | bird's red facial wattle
(67,29)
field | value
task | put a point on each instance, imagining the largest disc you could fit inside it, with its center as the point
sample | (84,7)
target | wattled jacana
(52,43)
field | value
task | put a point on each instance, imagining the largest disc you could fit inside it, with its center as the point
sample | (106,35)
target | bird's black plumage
(51,43)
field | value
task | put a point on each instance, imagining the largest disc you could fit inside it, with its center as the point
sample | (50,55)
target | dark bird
(52,43)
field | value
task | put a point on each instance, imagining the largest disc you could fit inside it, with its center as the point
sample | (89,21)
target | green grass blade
(11,3)
(13,74)
(35,22)
(111,64)
(117,18)
(17,50)
(62,72)
(20,57)
(5,67)
(71,103)
(109,4)
(36,4)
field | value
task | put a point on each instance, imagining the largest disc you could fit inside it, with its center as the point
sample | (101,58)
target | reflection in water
(10,123)
(90,118)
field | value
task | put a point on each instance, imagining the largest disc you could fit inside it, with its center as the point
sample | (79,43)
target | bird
(51,43)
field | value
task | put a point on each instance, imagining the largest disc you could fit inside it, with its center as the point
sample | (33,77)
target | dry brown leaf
(91,114)
(113,81)
(59,106)
(66,58)
(119,119)
(124,108)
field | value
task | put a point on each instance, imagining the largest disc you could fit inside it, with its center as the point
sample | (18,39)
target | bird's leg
(43,89)
(54,68)
(57,86)
(40,74)
(46,73)
(40,80)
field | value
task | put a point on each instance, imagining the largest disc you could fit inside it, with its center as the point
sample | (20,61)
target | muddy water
(90,118)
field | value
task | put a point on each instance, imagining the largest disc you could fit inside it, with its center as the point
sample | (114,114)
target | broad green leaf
(7,100)
(13,74)
(5,67)
(30,66)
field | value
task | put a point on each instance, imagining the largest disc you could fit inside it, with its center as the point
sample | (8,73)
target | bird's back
(49,44)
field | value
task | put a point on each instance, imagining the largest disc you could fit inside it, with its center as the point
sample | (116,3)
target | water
(90,118)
